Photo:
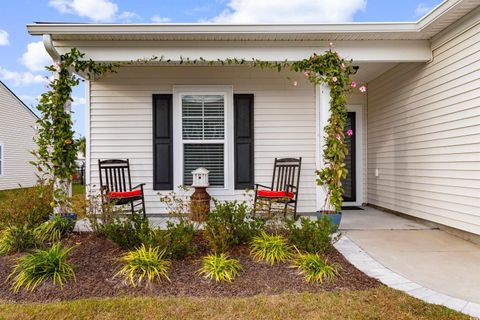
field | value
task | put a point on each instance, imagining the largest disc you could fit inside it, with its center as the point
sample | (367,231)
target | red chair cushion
(126,194)
(274,194)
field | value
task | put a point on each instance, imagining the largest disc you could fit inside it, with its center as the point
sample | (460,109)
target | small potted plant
(331,176)
(62,205)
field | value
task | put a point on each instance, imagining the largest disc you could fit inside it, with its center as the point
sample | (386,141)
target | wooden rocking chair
(116,185)
(284,188)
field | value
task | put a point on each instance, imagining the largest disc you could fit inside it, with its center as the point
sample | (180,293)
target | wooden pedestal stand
(200,204)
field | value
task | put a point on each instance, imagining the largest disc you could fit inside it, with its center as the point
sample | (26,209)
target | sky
(23,57)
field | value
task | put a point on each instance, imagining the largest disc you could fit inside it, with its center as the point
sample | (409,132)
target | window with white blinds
(203,136)
(1,159)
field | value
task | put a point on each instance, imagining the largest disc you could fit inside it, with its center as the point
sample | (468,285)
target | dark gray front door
(350,183)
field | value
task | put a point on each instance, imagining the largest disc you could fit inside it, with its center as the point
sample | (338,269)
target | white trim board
(359,51)
(360,150)
(2,159)
(87,134)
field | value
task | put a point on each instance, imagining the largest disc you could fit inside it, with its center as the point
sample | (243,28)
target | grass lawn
(379,303)
(76,189)
(5,193)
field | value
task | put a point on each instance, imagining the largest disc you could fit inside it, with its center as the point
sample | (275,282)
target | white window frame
(227,92)
(2,160)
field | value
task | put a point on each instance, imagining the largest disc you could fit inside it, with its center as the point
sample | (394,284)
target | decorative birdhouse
(200,178)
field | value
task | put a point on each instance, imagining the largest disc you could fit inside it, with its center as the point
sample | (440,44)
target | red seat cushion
(275,194)
(126,194)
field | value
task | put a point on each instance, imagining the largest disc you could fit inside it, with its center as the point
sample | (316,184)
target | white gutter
(436,12)
(181,28)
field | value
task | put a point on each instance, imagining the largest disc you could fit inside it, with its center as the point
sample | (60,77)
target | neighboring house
(416,135)
(17,124)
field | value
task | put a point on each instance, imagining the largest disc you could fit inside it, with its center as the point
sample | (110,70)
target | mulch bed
(95,260)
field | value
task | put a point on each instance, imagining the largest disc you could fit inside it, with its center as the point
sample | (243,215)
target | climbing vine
(331,69)
(57,150)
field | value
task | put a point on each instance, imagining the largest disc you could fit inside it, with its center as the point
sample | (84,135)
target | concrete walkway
(434,265)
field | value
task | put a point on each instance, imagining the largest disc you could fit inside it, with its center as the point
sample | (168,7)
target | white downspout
(48,43)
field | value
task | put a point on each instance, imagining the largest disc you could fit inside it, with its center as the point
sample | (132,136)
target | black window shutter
(244,141)
(162,142)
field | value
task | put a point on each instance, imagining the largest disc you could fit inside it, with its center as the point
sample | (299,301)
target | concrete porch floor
(430,257)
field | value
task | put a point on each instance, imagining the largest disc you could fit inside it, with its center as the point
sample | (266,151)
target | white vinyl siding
(424,135)
(121,120)
(16,136)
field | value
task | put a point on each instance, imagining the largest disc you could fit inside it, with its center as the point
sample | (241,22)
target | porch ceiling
(369,71)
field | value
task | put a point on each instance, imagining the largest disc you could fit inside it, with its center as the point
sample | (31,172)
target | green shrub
(314,268)
(228,224)
(28,207)
(220,267)
(144,263)
(130,232)
(55,228)
(34,268)
(177,240)
(270,248)
(18,239)
(312,236)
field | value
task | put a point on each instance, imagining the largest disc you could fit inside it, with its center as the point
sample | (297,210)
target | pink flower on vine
(362,89)
(314,55)
(342,66)
(349,132)
(331,44)
(334,79)
(56,65)
(338,136)
(307,73)
(353,84)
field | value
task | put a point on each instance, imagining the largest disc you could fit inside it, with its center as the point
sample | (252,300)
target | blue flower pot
(71,217)
(335,217)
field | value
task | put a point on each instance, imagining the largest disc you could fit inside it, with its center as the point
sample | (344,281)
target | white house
(17,123)
(417,129)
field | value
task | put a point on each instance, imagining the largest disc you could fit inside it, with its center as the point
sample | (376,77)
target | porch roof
(425,28)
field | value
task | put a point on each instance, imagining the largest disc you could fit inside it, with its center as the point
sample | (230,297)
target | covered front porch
(288,119)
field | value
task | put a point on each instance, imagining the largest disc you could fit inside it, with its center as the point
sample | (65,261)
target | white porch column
(66,185)
(50,48)
(322,114)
